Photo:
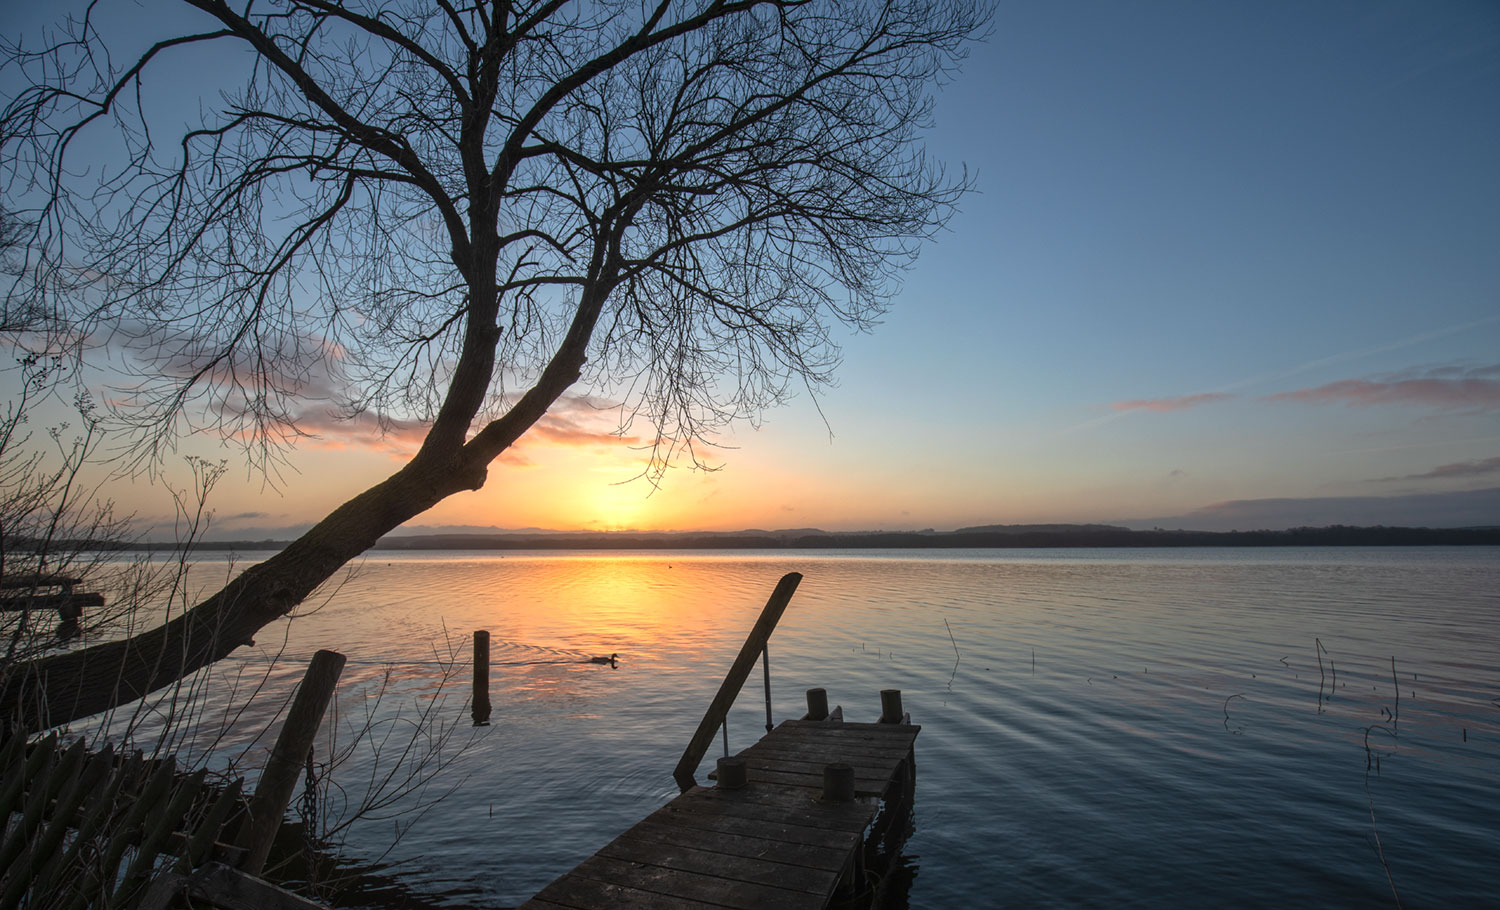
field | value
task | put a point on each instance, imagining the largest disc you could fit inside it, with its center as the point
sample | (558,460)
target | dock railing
(734,680)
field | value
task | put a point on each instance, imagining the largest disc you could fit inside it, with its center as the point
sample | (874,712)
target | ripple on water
(1081,749)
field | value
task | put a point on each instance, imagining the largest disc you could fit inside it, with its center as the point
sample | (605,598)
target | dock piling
(481,700)
(817,704)
(890,706)
(838,782)
(733,773)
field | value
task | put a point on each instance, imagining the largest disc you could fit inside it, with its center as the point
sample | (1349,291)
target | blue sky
(1226,265)
(1190,199)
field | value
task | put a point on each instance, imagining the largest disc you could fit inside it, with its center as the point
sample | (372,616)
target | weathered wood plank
(863,786)
(795,808)
(636,849)
(737,839)
(579,893)
(759,822)
(849,730)
(810,762)
(232,889)
(33,580)
(682,885)
(810,750)
(864,768)
(16,603)
(834,834)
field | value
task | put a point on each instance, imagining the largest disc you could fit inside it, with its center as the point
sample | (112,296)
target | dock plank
(737,840)
(679,884)
(753,869)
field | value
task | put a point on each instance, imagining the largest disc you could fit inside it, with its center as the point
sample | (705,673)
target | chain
(309,812)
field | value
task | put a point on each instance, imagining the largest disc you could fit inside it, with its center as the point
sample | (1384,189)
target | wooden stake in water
(279,778)
(481,700)
(1396,718)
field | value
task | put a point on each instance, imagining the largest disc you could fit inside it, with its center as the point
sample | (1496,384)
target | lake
(1099,727)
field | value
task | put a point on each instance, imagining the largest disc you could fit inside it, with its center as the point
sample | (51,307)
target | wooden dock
(811,815)
(775,842)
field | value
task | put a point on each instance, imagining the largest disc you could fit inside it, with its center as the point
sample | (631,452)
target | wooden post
(817,704)
(890,706)
(481,701)
(765,665)
(718,709)
(733,774)
(284,767)
(838,782)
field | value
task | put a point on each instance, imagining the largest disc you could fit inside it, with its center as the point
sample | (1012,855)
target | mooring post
(481,700)
(817,704)
(284,767)
(838,782)
(890,706)
(733,774)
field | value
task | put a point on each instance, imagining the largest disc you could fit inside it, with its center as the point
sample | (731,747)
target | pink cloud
(1478,468)
(1180,403)
(401,438)
(566,432)
(1468,392)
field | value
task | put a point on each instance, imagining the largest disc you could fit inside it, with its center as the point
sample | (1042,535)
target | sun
(618,507)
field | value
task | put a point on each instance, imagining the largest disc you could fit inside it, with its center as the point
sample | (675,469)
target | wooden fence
(104,830)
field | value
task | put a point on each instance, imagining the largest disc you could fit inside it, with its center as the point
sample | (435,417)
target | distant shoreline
(1000,537)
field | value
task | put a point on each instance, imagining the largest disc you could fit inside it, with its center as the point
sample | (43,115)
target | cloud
(564,431)
(1447,471)
(1446,388)
(1457,509)
(1180,403)
(573,422)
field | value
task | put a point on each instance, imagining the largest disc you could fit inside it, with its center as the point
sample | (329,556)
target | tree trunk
(65,687)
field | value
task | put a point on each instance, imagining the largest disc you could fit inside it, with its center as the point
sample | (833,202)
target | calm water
(1117,728)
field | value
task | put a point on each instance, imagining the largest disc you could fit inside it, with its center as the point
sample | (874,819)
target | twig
(1226,711)
(1396,717)
(1379,850)
(955,643)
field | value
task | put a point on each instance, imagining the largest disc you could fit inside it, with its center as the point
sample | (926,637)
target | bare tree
(455,213)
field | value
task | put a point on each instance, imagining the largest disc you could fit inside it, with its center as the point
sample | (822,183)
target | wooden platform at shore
(813,813)
(776,842)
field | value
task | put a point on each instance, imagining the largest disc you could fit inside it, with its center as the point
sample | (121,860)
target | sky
(1225,266)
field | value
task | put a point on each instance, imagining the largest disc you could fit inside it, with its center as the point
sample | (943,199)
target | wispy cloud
(1446,388)
(1119,413)
(574,422)
(1479,468)
(1466,508)
(1179,403)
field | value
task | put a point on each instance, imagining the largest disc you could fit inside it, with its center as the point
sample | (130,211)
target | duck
(611,660)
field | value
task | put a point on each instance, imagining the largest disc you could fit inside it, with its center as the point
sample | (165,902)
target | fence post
(284,767)
(481,701)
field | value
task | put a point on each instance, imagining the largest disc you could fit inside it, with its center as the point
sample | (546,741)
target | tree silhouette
(452,214)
